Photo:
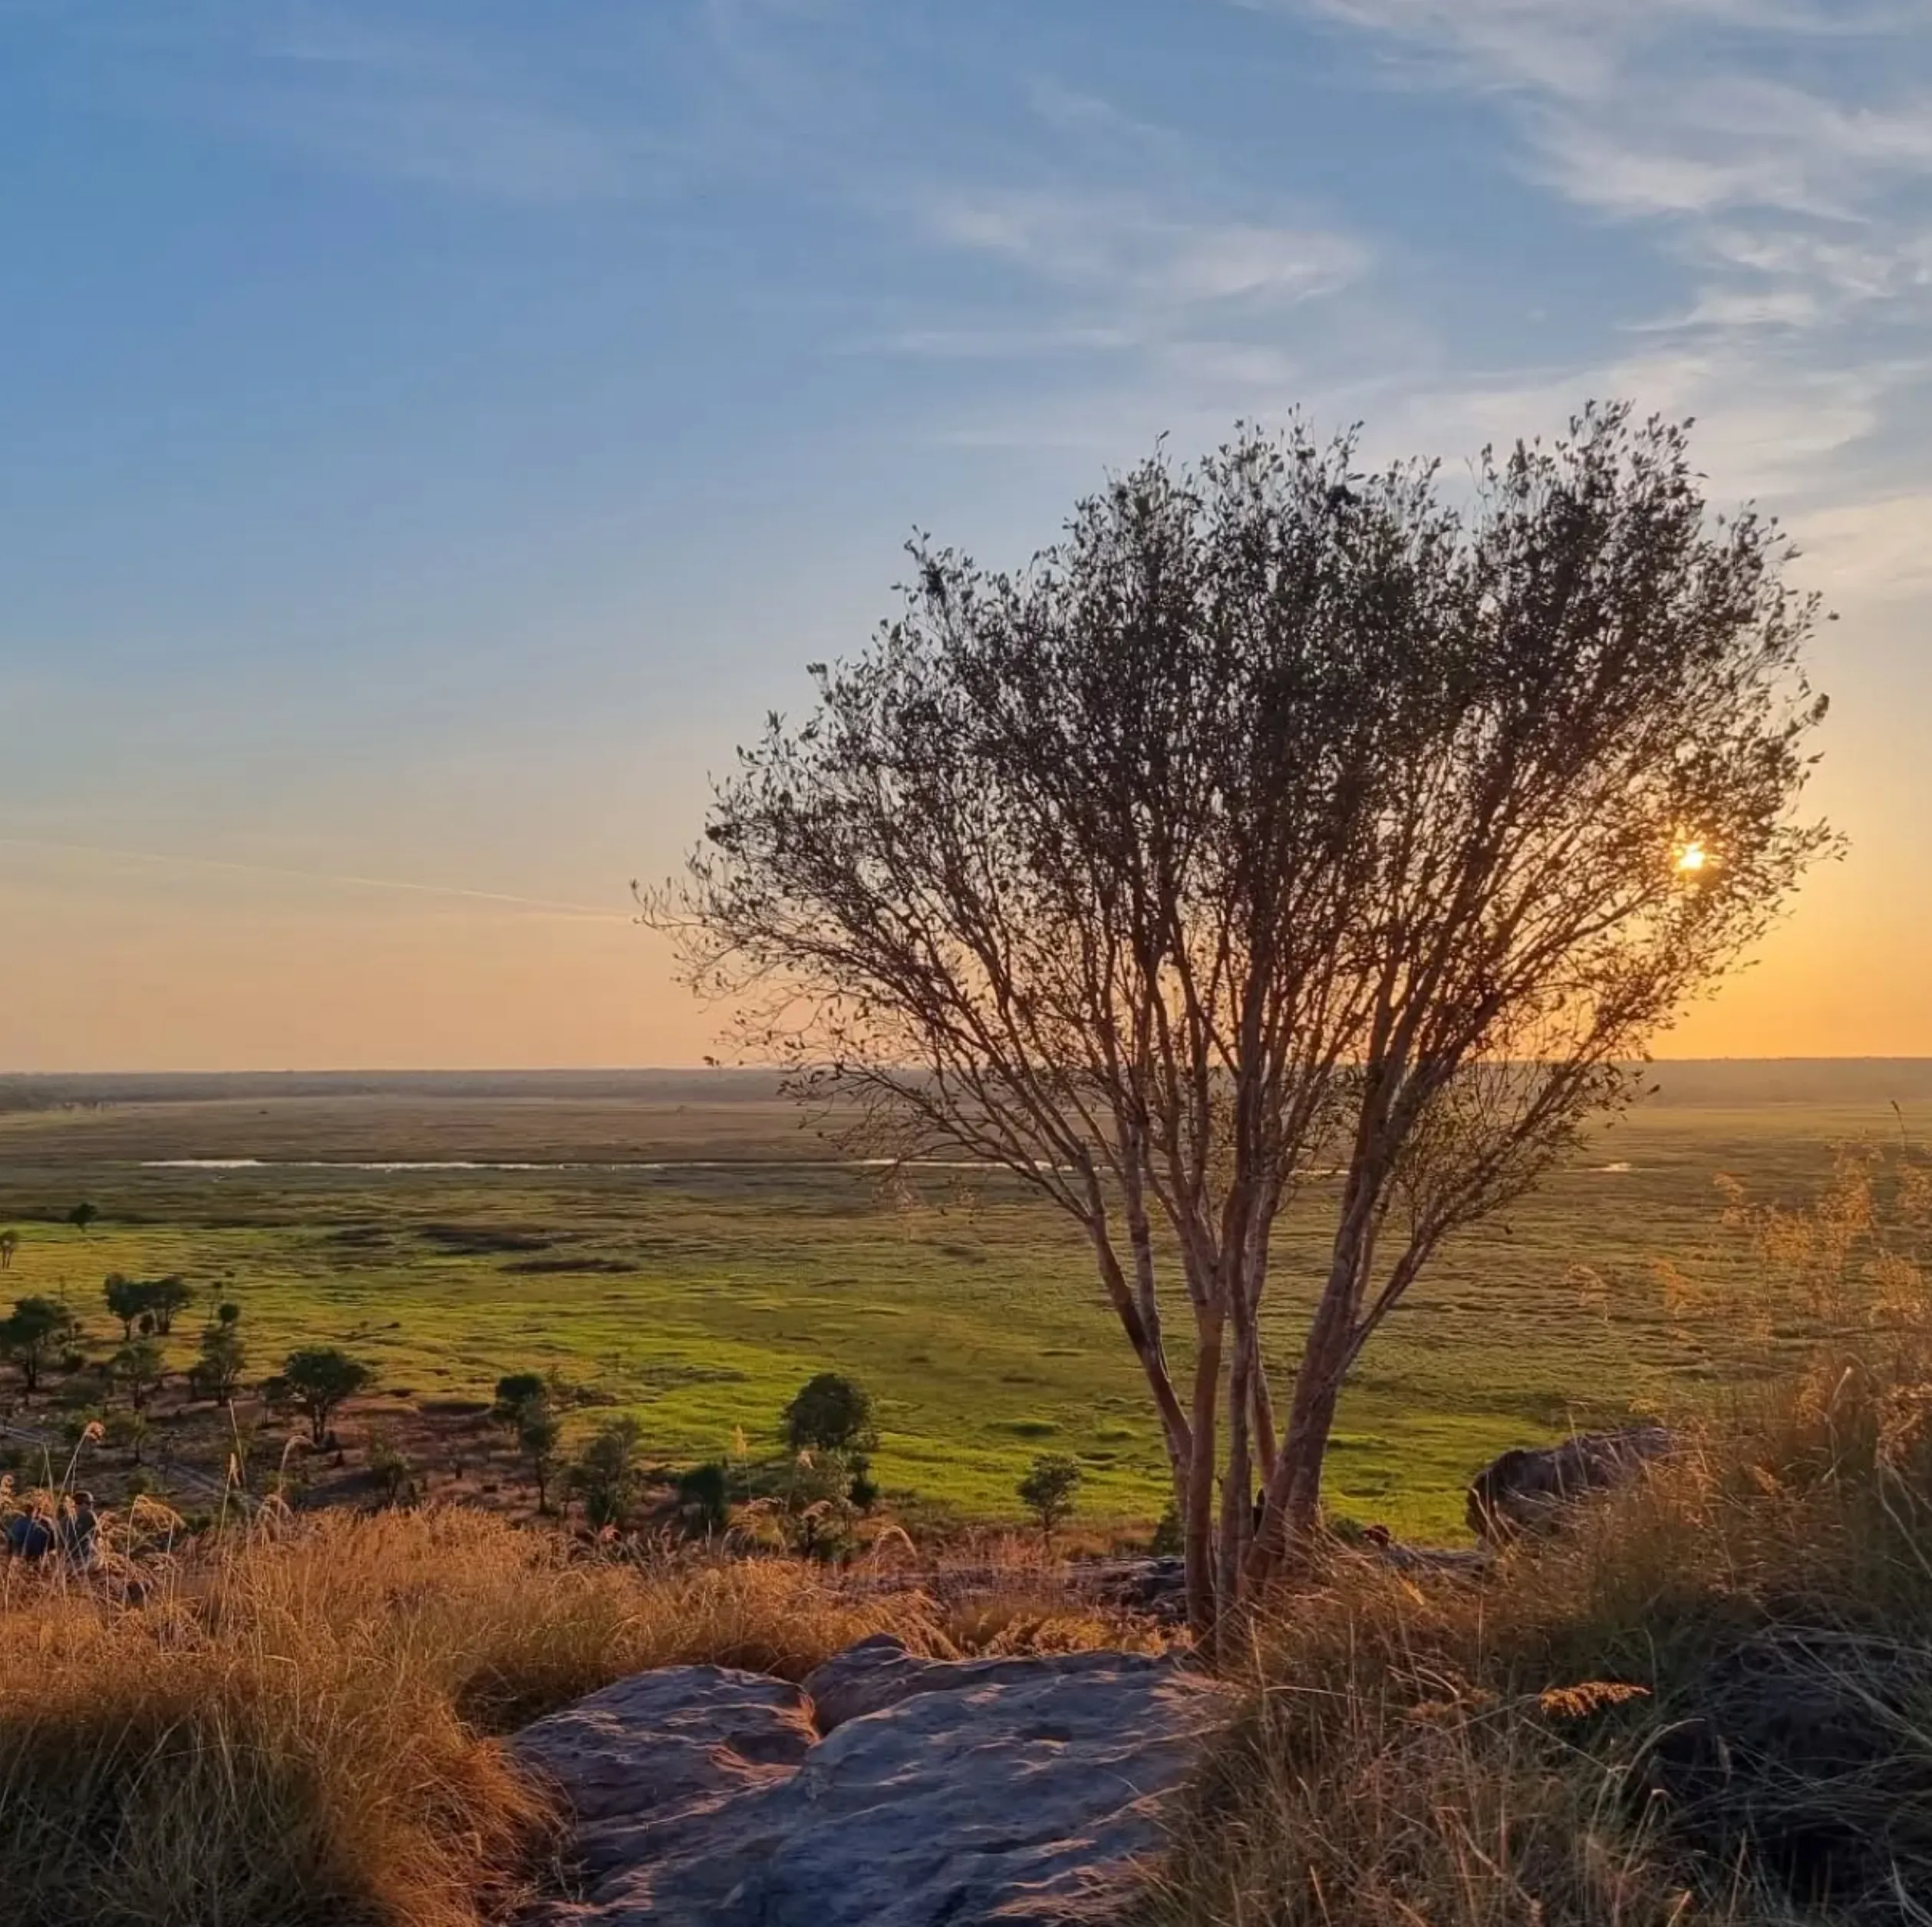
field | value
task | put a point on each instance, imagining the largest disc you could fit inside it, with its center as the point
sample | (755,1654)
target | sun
(1693,855)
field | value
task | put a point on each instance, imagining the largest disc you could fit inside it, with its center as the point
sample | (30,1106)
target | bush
(830,1413)
(1051,1489)
(606,1477)
(317,1380)
(704,1500)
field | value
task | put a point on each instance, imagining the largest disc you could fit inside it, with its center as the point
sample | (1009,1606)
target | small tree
(222,1359)
(9,1244)
(1284,818)
(83,1215)
(830,1413)
(817,1509)
(316,1380)
(606,1475)
(539,1431)
(139,1369)
(128,1432)
(228,1312)
(704,1499)
(515,1391)
(388,1464)
(40,1331)
(127,1298)
(1050,1490)
(165,1296)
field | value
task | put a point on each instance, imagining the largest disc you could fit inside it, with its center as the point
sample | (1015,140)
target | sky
(432,435)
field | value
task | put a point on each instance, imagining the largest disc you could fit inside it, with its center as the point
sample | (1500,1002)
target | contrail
(313,877)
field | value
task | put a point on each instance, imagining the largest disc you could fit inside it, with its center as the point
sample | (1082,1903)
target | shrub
(316,1381)
(1051,1489)
(704,1499)
(830,1413)
(40,1331)
(515,1390)
(222,1359)
(388,1464)
(606,1475)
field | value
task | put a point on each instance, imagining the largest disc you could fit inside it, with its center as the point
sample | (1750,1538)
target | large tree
(1285,827)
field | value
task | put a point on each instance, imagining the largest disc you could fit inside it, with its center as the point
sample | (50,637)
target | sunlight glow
(1692,857)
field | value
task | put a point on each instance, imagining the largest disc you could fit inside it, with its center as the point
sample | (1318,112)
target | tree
(1049,1490)
(222,1359)
(606,1475)
(539,1432)
(316,1381)
(1283,819)
(165,1296)
(817,1508)
(83,1215)
(39,1332)
(389,1465)
(704,1499)
(830,1413)
(228,1312)
(516,1391)
(128,1432)
(127,1298)
(139,1368)
(9,1244)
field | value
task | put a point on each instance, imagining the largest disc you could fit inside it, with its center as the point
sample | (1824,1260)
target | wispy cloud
(1139,255)
(322,879)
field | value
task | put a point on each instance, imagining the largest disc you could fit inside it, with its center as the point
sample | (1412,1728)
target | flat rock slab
(1021,1791)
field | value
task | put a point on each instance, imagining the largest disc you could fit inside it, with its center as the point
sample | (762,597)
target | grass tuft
(1708,1704)
(297,1728)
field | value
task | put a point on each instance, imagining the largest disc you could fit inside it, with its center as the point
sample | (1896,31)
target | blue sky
(434,434)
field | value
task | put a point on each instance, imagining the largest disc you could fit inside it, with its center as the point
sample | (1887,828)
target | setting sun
(1692,857)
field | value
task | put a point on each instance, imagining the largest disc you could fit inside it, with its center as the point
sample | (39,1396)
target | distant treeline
(23,1092)
(1715,1081)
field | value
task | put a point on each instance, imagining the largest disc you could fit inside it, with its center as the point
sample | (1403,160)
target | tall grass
(1709,1701)
(298,1727)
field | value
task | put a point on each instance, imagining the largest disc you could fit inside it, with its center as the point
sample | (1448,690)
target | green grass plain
(700,1294)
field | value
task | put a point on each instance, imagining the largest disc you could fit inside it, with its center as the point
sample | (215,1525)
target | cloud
(1135,253)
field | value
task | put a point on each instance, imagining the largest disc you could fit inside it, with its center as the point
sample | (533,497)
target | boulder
(880,1671)
(1527,1488)
(1020,1791)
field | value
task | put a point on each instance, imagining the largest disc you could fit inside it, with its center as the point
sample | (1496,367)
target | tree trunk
(1197,1518)
(1237,1490)
(1292,1501)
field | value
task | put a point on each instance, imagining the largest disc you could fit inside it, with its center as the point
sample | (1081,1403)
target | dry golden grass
(1709,1704)
(297,1728)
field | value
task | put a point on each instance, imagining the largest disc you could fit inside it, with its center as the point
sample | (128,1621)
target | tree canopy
(1287,825)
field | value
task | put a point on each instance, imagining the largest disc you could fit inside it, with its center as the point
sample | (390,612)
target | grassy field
(694,1260)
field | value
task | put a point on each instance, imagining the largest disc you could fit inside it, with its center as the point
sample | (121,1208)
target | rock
(1155,1586)
(1019,1791)
(1527,1488)
(880,1672)
(646,1763)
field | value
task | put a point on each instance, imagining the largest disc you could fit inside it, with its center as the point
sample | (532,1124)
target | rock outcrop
(1527,1488)
(1022,1791)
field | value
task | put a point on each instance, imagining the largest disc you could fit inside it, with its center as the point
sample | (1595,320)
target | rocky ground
(887,1790)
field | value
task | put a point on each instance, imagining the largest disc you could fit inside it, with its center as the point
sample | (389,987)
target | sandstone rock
(1019,1791)
(646,1764)
(880,1671)
(1529,1488)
